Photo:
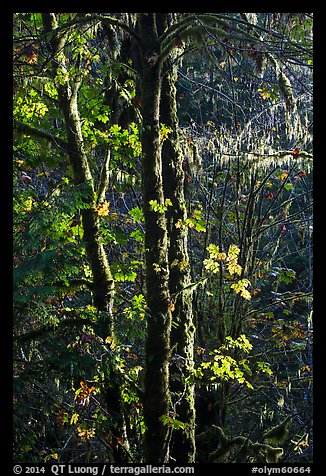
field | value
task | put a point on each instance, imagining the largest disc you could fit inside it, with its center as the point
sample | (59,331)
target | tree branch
(104,177)
(37,333)
(32,131)
(211,88)
(100,18)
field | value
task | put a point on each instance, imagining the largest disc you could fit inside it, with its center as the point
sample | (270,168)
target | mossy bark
(157,398)
(103,283)
(183,329)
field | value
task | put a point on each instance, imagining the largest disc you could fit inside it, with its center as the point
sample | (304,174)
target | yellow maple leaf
(85,434)
(103,209)
(74,418)
(245,294)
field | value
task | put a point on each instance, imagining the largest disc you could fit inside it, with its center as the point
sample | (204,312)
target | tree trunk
(183,329)
(157,398)
(103,283)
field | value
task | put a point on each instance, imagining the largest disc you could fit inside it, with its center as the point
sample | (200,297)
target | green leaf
(288,186)
(137,214)
(156,207)
(138,235)
(103,118)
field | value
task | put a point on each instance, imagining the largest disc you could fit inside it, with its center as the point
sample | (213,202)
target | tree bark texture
(103,283)
(183,328)
(157,398)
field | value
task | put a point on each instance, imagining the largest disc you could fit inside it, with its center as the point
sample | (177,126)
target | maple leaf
(171,306)
(32,58)
(103,209)
(295,152)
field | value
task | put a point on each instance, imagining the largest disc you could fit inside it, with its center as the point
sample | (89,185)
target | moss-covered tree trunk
(183,329)
(156,399)
(103,283)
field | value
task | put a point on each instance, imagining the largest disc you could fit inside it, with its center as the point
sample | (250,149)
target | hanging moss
(220,448)
(279,433)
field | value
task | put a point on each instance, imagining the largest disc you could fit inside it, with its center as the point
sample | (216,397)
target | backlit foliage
(245,141)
